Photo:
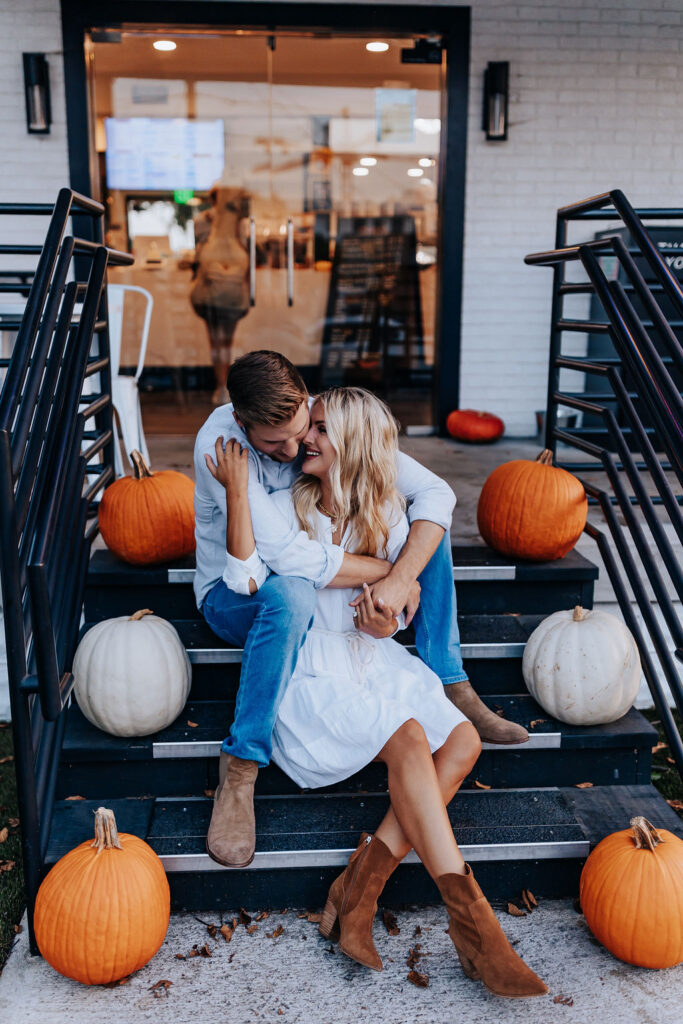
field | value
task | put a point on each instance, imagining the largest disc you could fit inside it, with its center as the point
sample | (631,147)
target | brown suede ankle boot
(231,839)
(484,952)
(491,727)
(352,901)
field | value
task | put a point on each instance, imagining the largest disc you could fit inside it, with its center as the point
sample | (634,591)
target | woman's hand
(376,622)
(231,468)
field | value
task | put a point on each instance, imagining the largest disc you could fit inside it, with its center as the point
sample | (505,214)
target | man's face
(281,443)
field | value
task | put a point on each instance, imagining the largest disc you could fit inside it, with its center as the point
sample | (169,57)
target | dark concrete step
(536,838)
(486,582)
(183,758)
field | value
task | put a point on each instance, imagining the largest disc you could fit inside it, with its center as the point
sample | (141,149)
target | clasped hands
(377,618)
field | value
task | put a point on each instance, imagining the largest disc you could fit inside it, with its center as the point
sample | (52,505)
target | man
(269,416)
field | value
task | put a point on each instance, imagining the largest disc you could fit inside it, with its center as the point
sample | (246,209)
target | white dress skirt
(350,692)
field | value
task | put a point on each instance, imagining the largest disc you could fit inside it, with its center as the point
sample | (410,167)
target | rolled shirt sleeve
(428,496)
(237,572)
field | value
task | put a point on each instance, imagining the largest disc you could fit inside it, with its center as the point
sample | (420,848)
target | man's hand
(231,468)
(394,594)
(376,622)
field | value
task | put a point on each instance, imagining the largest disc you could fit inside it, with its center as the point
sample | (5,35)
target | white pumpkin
(582,667)
(132,674)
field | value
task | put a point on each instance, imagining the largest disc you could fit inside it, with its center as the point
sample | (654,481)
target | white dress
(350,692)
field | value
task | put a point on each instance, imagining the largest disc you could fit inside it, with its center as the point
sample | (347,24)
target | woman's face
(318,448)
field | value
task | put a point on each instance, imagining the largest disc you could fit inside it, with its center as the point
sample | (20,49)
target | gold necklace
(326,512)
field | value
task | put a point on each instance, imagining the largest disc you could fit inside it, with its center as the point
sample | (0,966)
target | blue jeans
(272,625)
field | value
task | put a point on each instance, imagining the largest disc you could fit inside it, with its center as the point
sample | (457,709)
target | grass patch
(11,880)
(664,772)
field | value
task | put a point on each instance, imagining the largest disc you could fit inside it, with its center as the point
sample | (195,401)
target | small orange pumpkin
(631,894)
(532,510)
(103,910)
(471,425)
(149,517)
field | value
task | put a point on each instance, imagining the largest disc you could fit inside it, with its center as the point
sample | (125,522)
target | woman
(357,695)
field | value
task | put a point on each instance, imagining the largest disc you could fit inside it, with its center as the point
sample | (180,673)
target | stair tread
(107,569)
(83,741)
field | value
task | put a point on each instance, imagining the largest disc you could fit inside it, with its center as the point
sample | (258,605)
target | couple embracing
(317,540)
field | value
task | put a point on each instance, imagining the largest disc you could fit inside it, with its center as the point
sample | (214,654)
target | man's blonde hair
(364,435)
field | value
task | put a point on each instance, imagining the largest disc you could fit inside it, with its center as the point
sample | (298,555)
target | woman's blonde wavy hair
(364,435)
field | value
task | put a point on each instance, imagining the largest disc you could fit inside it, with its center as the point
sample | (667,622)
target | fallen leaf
(180,956)
(583,785)
(14,823)
(263,915)
(314,918)
(212,929)
(226,931)
(116,984)
(537,721)
(192,725)
(252,928)
(5,760)
(204,950)
(275,934)
(4,832)
(515,911)
(670,760)
(480,785)
(390,922)
(209,792)
(418,931)
(245,918)
(564,1000)
(161,988)
(529,900)
(414,955)
(419,979)
(280,1012)
(74,798)
(230,958)
(18,929)
(676,804)
(7,865)
(659,746)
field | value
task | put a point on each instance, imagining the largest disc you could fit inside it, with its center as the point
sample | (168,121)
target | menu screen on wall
(163,153)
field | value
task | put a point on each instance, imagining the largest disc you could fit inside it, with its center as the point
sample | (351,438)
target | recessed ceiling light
(428,125)
(164,44)
(425,161)
(414,172)
(368,161)
(377,47)
(360,172)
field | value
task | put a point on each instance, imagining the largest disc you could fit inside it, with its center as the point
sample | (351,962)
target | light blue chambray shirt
(285,549)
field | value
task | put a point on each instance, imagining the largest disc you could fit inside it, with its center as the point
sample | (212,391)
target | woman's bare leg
(452,763)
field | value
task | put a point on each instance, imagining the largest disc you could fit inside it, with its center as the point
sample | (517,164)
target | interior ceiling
(304,59)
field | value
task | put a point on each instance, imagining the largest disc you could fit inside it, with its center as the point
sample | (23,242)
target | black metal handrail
(641,387)
(48,517)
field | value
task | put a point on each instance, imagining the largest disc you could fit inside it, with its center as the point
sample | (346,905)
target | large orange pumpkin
(471,425)
(148,517)
(103,910)
(631,894)
(532,510)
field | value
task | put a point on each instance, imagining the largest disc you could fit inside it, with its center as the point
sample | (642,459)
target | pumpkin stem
(645,835)
(579,614)
(138,615)
(140,467)
(106,833)
(545,458)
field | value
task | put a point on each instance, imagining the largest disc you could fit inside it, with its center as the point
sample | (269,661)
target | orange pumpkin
(631,894)
(471,425)
(532,510)
(103,910)
(148,517)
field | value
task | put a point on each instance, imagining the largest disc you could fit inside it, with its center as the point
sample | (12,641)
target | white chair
(124,389)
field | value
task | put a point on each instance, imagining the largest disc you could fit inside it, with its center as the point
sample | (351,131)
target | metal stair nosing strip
(233,655)
(461,573)
(554,850)
(211,748)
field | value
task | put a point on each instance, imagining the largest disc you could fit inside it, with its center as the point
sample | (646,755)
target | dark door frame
(452,23)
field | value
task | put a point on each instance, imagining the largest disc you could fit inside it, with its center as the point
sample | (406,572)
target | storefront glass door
(279,191)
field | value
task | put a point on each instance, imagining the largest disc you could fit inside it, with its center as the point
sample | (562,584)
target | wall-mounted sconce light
(37,90)
(496,82)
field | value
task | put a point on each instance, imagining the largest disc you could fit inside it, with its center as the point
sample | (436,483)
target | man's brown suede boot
(352,901)
(491,728)
(231,839)
(485,953)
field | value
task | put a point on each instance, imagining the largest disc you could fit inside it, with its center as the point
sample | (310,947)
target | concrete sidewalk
(296,977)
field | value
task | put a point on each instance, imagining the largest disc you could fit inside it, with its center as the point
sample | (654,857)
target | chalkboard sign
(373,327)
